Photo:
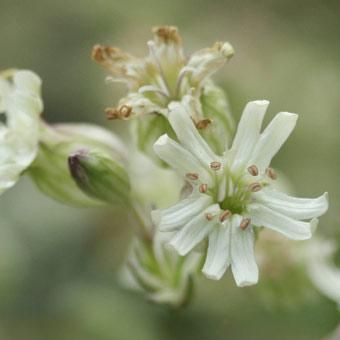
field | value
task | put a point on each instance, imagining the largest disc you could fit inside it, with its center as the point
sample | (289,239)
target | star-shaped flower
(233,193)
(165,75)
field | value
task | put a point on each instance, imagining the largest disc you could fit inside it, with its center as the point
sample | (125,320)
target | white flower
(21,103)
(232,193)
(162,76)
(322,270)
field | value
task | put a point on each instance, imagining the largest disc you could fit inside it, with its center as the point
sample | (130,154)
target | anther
(224,215)
(125,111)
(253,170)
(121,113)
(203,188)
(112,113)
(209,216)
(271,173)
(245,223)
(167,34)
(254,187)
(215,166)
(192,176)
(203,124)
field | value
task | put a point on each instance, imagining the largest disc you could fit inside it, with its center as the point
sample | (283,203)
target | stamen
(271,173)
(112,113)
(125,111)
(122,112)
(254,187)
(209,216)
(203,188)
(245,223)
(192,176)
(215,166)
(253,170)
(167,34)
(224,215)
(204,123)
(106,55)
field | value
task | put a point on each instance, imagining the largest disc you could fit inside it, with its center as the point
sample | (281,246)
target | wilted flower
(163,275)
(21,103)
(232,193)
(163,76)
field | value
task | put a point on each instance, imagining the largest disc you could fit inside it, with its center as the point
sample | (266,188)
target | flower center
(233,192)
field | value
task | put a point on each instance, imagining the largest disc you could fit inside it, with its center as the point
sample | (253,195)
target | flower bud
(160,273)
(100,176)
(50,170)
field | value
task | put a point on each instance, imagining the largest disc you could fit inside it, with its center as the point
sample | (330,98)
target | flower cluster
(225,187)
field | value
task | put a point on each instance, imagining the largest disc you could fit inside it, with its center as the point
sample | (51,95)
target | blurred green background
(58,265)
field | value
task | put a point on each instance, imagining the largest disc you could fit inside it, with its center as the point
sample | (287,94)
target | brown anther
(167,34)
(209,216)
(108,55)
(203,124)
(98,53)
(203,188)
(122,112)
(254,187)
(101,54)
(125,111)
(224,215)
(245,223)
(253,170)
(112,113)
(271,173)
(215,166)
(192,176)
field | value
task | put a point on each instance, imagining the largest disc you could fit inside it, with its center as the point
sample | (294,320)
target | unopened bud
(100,177)
(50,170)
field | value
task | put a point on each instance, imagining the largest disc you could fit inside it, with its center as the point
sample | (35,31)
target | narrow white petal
(272,138)
(181,213)
(188,135)
(243,262)
(180,159)
(294,207)
(194,231)
(27,81)
(218,257)
(248,132)
(263,216)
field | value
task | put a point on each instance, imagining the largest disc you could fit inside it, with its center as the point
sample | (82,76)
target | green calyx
(100,177)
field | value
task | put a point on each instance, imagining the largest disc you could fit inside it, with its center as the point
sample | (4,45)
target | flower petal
(248,132)
(294,207)
(263,216)
(194,231)
(180,159)
(218,257)
(272,138)
(181,213)
(243,262)
(188,135)
(207,61)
